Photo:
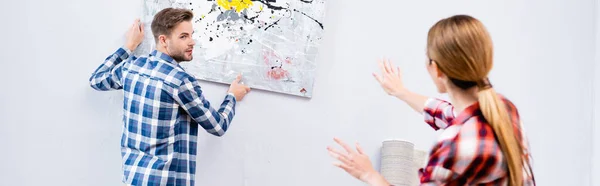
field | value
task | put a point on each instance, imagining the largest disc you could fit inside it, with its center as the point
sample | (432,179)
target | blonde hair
(462,49)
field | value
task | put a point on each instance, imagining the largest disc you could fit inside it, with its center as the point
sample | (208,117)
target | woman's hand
(390,79)
(357,164)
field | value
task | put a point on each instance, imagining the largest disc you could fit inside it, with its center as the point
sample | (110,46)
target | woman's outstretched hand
(390,79)
(356,163)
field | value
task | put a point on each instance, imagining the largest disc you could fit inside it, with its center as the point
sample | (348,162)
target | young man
(163,105)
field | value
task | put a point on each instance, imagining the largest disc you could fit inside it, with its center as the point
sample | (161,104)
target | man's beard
(179,55)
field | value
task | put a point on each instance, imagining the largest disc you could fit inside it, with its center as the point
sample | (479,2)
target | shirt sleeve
(190,98)
(438,113)
(108,75)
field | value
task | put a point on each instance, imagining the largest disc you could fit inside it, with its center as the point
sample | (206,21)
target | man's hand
(238,90)
(135,35)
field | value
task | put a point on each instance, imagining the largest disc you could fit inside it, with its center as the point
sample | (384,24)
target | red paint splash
(267,57)
(303,91)
(271,58)
(288,60)
(275,63)
(277,73)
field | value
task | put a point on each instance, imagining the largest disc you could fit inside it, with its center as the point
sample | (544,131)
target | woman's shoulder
(510,106)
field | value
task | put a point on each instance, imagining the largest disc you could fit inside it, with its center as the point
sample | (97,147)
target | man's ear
(162,40)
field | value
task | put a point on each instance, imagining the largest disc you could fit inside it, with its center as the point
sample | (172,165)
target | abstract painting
(272,43)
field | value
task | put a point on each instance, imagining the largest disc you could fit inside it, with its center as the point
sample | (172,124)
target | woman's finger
(339,156)
(344,166)
(386,66)
(359,149)
(382,66)
(344,145)
(377,78)
(392,70)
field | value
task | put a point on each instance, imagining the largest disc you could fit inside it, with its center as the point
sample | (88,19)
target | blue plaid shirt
(163,106)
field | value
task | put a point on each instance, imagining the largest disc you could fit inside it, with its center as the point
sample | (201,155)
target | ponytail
(495,112)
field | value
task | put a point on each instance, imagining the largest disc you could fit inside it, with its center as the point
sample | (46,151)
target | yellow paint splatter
(238,5)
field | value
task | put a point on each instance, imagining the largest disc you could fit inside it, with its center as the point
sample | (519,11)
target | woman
(482,144)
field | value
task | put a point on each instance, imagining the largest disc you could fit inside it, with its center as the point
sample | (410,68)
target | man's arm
(108,75)
(189,96)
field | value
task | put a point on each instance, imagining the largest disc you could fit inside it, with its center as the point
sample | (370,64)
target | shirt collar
(164,57)
(469,112)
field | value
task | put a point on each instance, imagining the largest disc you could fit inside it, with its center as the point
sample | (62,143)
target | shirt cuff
(433,104)
(232,96)
(429,110)
(125,53)
(430,103)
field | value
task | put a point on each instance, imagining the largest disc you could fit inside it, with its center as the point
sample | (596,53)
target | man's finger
(138,27)
(237,79)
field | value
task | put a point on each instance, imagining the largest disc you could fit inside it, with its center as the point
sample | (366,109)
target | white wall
(596,110)
(55,130)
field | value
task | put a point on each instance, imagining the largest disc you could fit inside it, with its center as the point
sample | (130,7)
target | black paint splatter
(274,23)
(320,24)
(273,7)
(269,5)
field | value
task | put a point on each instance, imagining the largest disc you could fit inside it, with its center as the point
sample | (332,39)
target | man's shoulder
(167,73)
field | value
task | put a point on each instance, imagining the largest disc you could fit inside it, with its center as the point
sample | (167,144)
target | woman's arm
(391,82)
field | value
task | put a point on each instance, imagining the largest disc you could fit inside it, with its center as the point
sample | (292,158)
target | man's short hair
(165,20)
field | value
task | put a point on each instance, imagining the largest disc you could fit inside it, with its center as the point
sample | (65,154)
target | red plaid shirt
(467,152)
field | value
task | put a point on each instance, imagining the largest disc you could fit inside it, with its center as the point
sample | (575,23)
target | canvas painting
(272,43)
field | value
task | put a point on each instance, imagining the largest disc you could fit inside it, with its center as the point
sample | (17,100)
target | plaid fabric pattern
(162,108)
(467,152)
